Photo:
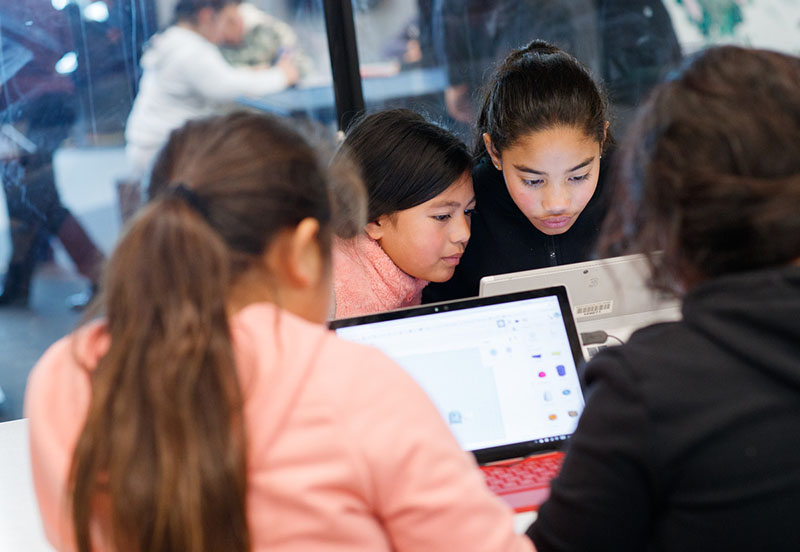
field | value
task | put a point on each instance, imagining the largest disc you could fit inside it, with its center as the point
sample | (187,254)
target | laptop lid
(597,289)
(501,370)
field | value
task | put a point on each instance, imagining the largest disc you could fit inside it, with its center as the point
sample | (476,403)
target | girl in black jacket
(540,193)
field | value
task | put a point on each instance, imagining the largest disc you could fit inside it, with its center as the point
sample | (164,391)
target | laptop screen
(502,371)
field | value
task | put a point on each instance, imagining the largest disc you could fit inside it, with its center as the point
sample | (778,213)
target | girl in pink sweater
(210,410)
(420,201)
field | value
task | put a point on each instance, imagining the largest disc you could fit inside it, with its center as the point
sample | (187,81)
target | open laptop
(610,298)
(501,370)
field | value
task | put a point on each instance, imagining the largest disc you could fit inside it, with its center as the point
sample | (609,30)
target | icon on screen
(561,370)
(454,417)
(552,417)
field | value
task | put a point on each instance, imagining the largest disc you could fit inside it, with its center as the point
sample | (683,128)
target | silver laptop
(610,298)
(501,370)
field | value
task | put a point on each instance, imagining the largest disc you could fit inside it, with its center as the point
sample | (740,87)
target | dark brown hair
(710,169)
(537,88)
(404,160)
(164,442)
(187,10)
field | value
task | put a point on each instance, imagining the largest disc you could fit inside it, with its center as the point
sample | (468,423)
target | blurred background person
(474,36)
(37,110)
(627,44)
(185,76)
(260,40)
(638,45)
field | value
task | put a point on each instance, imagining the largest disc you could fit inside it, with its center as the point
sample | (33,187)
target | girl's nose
(555,199)
(461,229)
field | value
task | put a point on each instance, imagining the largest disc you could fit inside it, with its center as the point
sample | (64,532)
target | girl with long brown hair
(210,410)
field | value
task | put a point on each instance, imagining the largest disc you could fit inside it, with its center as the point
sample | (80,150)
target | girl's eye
(469,212)
(580,178)
(533,183)
(440,218)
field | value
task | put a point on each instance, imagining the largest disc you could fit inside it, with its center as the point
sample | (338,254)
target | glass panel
(400,65)
(69,74)
(306,46)
(434,55)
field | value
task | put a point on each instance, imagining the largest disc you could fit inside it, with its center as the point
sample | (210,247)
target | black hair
(710,169)
(536,88)
(186,10)
(404,160)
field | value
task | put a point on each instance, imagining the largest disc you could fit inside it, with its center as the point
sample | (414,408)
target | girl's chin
(441,276)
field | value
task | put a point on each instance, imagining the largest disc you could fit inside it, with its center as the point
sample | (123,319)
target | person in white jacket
(186,77)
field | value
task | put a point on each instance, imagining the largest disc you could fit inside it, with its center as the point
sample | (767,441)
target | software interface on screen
(499,374)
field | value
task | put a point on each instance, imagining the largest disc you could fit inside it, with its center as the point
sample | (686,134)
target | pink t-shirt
(345,451)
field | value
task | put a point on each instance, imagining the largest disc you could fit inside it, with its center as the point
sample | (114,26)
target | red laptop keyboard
(524,484)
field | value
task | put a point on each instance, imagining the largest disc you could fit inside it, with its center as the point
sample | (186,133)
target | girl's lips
(452,260)
(556,222)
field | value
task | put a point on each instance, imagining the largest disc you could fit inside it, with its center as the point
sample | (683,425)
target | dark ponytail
(164,440)
(536,88)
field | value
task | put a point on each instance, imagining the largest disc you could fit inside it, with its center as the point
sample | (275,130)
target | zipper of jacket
(552,256)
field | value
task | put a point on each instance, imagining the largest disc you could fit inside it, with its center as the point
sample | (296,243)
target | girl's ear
(496,161)
(605,136)
(375,228)
(306,265)
(295,258)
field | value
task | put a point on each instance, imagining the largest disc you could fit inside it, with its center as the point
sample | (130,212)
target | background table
(318,100)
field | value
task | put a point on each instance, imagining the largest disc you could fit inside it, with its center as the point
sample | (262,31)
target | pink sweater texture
(345,452)
(366,280)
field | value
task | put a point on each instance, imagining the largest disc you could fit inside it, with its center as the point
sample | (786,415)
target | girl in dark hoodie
(538,179)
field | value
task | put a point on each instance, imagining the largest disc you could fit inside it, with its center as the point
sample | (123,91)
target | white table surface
(20,527)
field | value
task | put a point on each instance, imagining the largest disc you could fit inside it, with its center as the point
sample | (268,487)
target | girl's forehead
(554,139)
(552,152)
(460,192)
(556,134)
